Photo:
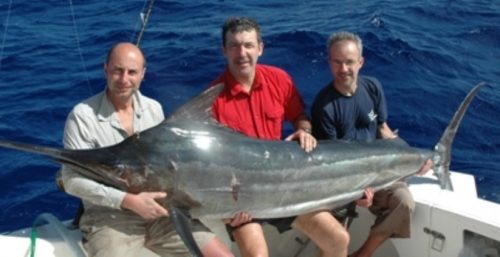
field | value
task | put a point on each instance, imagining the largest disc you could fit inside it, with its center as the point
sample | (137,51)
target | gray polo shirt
(93,123)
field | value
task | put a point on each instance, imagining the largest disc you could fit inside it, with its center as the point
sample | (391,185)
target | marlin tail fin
(443,147)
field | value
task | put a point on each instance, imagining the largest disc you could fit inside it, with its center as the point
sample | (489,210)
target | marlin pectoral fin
(182,225)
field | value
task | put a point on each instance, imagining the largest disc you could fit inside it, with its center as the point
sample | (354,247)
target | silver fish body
(215,172)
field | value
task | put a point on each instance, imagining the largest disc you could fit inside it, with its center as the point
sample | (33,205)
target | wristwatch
(308,130)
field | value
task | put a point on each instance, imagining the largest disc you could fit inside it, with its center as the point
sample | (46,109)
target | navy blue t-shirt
(335,116)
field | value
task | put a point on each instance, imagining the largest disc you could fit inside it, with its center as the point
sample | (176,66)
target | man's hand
(306,140)
(238,219)
(145,204)
(367,199)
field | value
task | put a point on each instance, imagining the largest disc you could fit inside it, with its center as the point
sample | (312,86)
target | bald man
(114,222)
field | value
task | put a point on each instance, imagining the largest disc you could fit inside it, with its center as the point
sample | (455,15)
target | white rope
(6,24)
(79,47)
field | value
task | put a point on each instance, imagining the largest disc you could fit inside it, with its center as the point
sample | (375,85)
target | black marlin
(211,171)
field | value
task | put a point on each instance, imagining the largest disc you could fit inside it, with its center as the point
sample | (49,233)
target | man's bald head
(120,48)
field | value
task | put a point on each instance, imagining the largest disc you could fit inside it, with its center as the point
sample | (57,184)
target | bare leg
(328,234)
(393,207)
(370,245)
(215,248)
(251,241)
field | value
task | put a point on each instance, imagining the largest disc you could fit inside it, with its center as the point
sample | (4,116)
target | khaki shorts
(393,207)
(123,233)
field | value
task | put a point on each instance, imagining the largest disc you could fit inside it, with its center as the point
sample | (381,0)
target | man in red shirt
(256,101)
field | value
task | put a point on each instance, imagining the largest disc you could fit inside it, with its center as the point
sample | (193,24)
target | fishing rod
(143,18)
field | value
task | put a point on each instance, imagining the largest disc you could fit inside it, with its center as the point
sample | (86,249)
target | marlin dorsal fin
(199,108)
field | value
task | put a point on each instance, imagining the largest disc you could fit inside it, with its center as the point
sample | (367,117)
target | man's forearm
(302,122)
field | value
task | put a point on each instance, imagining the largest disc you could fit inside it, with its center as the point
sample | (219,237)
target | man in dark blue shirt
(355,116)
(353,107)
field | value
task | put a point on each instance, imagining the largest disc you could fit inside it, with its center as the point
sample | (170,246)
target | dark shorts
(281,224)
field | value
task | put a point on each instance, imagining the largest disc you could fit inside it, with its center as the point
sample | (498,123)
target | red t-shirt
(262,112)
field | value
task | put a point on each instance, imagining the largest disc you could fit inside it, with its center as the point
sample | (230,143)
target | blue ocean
(428,54)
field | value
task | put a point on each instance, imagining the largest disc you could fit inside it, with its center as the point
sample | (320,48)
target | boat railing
(60,228)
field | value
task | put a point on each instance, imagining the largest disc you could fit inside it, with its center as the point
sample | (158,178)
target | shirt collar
(106,110)
(236,88)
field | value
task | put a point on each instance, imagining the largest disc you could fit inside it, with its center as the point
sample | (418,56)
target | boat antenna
(143,20)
